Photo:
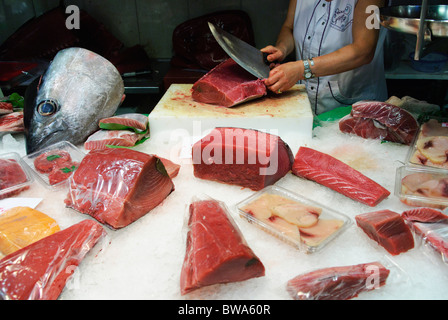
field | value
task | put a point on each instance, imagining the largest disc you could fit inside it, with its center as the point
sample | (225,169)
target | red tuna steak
(338,176)
(216,250)
(338,283)
(118,186)
(101,139)
(244,157)
(227,85)
(423,215)
(11,174)
(380,120)
(40,271)
(12,122)
(388,229)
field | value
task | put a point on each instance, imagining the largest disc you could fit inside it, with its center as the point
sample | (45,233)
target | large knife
(248,57)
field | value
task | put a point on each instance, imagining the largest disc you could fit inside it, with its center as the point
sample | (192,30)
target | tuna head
(78,89)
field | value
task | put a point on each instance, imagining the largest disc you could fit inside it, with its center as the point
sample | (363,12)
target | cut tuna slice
(227,85)
(6,107)
(216,250)
(338,176)
(388,229)
(380,120)
(423,215)
(104,138)
(338,283)
(21,226)
(244,157)
(135,121)
(47,161)
(11,175)
(40,271)
(118,186)
(12,122)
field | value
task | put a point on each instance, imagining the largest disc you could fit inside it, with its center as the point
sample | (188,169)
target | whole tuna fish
(78,89)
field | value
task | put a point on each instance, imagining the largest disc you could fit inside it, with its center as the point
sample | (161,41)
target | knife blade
(247,56)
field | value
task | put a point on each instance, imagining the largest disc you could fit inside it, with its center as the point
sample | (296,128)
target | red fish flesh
(129,120)
(5,108)
(227,85)
(216,250)
(432,226)
(103,138)
(380,120)
(11,174)
(338,176)
(171,168)
(12,122)
(118,186)
(58,164)
(388,229)
(338,283)
(40,270)
(244,157)
(424,214)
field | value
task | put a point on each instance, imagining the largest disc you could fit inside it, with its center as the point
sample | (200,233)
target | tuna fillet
(104,138)
(136,121)
(338,176)
(338,283)
(431,226)
(388,229)
(227,85)
(11,175)
(118,186)
(244,157)
(6,107)
(40,271)
(380,120)
(12,122)
(216,250)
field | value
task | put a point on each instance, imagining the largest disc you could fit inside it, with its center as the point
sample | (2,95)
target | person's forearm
(285,40)
(344,59)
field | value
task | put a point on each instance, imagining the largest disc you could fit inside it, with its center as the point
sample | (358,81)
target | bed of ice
(144,259)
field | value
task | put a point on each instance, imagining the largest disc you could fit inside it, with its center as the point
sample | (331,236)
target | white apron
(322,27)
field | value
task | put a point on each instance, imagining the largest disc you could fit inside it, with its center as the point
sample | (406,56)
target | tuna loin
(11,175)
(338,283)
(227,85)
(244,157)
(135,121)
(388,229)
(103,138)
(380,120)
(338,176)
(118,186)
(216,250)
(431,226)
(40,271)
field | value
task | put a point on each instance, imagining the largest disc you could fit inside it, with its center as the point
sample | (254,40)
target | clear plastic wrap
(14,176)
(118,186)
(431,227)
(296,220)
(216,251)
(54,164)
(41,270)
(338,283)
(380,120)
(421,186)
(21,226)
(430,146)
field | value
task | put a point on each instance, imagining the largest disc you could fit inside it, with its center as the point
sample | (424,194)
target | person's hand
(284,76)
(275,55)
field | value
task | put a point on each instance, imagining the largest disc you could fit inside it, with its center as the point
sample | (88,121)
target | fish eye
(47,107)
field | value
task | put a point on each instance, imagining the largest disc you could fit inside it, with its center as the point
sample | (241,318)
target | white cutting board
(287,115)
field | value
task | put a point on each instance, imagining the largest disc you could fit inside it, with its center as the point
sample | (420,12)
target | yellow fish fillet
(21,226)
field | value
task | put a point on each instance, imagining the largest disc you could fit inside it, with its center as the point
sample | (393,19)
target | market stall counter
(144,259)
